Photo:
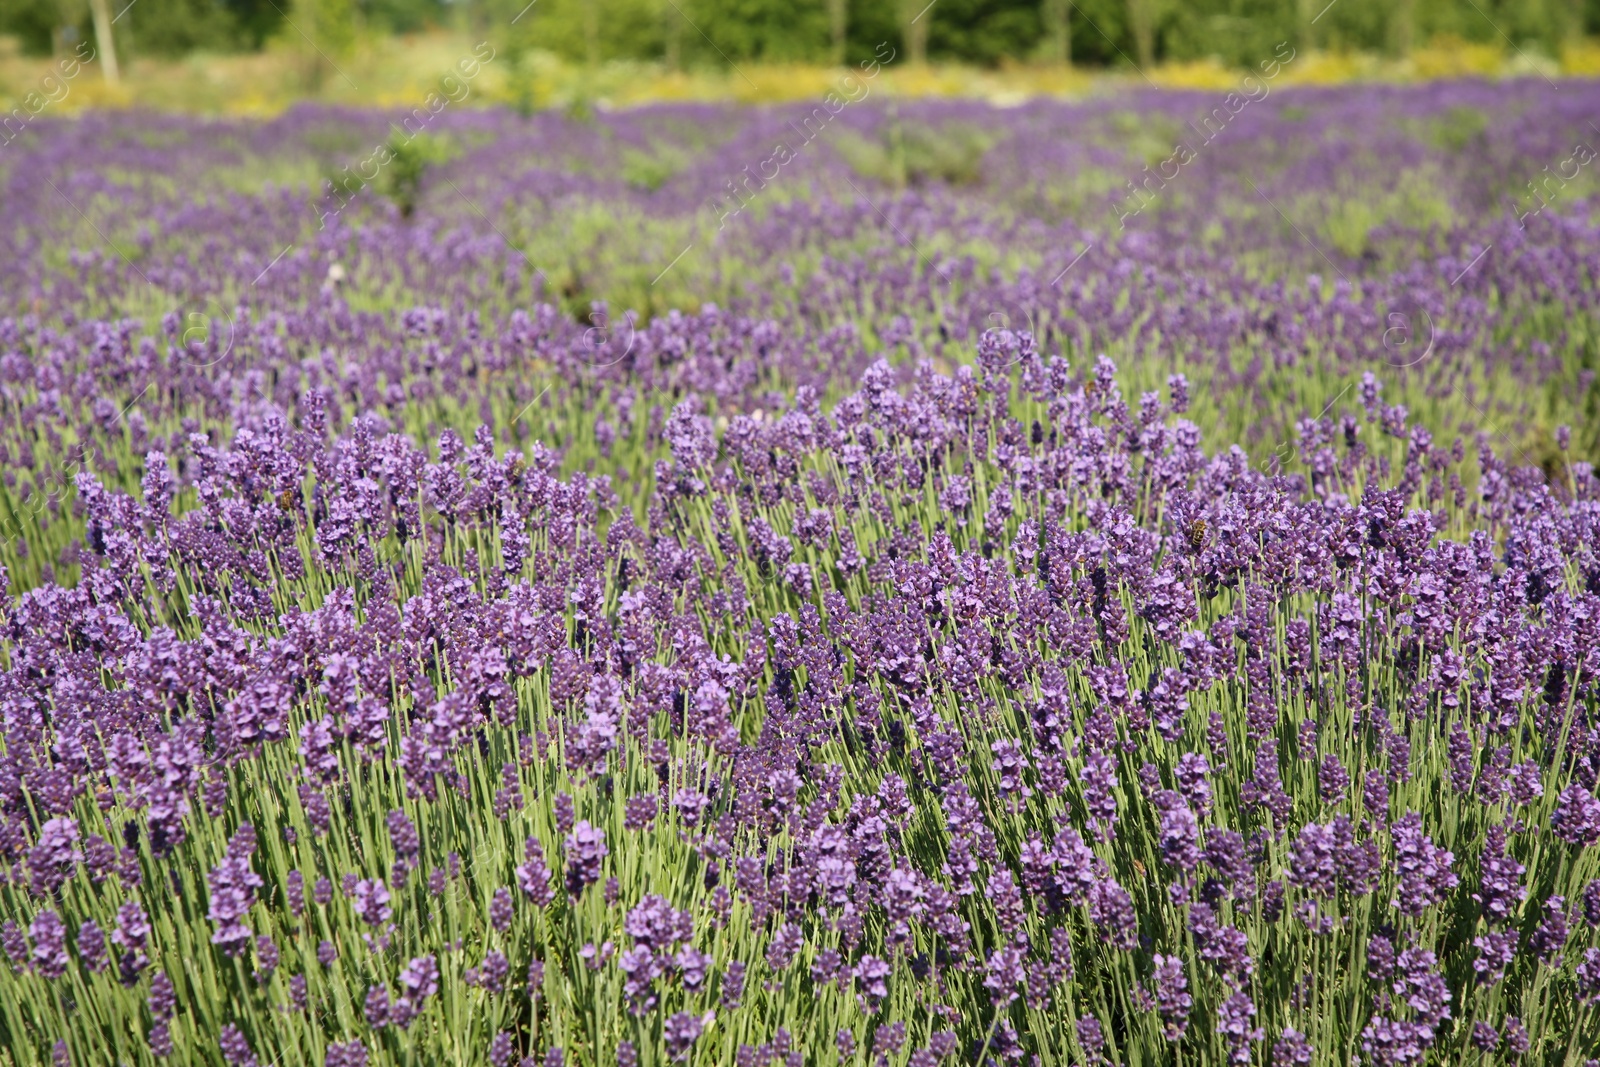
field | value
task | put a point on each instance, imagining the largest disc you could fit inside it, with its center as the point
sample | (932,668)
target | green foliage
(909,153)
(581,30)
(1242,33)
(1460,127)
(402,16)
(149,27)
(255,21)
(763,29)
(397,170)
(983,31)
(176,27)
(717,32)
(331,24)
(651,169)
(1350,222)
(32,22)
(412,156)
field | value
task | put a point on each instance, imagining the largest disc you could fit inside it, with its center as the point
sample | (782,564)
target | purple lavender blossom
(586,847)
(236,1049)
(1495,952)
(1099,793)
(1111,910)
(1171,995)
(163,999)
(54,856)
(1179,831)
(1424,869)
(1515,1035)
(49,936)
(233,886)
(872,982)
(1576,819)
(501,910)
(1313,861)
(346,1054)
(1291,1049)
(681,1031)
(370,899)
(1589,977)
(92,947)
(1550,937)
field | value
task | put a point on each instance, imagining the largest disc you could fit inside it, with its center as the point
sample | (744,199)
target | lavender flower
(1099,792)
(236,1049)
(1550,937)
(346,1054)
(163,999)
(49,944)
(681,1031)
(1111,910)
(233,886)
(419,979)
(1090,1035)
(1576,819)
(733,985)
(501,910)
(92,947)
(370,898)
(1291,1050)
(1589,977)
(1515,1035)
(1424,869)
(872,981)
(586,847)
(1312,861)
(1495,952)
(1171,995)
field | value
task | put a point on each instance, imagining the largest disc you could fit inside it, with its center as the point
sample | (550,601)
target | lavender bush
(864,668)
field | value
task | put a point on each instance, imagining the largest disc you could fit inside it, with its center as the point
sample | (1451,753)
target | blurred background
(244,56)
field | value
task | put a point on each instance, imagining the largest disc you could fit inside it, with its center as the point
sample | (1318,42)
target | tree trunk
(329,31)
(915,16)
(674,30)
(838,23)
(1058,30)
(1405,26)
(105,46)
(1568,24)
(1309,11)
(1143,33)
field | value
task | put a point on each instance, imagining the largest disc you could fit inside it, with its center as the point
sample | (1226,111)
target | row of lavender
(994,720)
(399,671)
(1440,236)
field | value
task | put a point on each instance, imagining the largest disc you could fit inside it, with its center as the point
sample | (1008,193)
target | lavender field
(1083,583)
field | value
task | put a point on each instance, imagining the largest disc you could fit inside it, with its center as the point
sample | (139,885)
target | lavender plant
(793,680)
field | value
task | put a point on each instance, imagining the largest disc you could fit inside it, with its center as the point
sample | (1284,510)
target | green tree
(796,31)
(984,31)
(588,30)
(405,16)
(32,22)
(177,27)
(328,28)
